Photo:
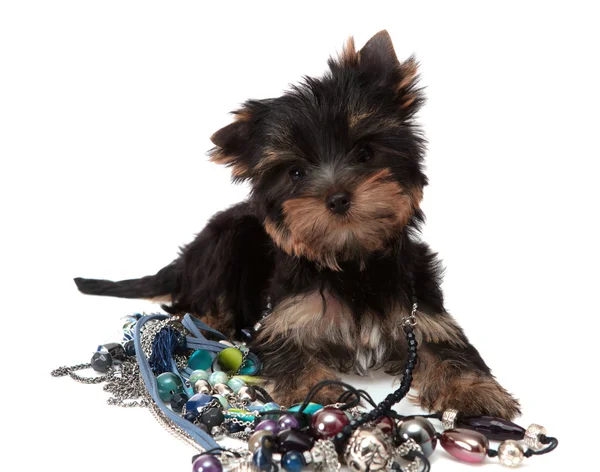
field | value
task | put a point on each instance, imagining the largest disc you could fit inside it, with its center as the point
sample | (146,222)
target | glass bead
(178,402)
(288,422)
(129,347)
(235,384)
(212,417)
(222,400)
(496,429)
(465,444)
(250,367)
(101,361)
(197,402)
(200,360)
(199,374)
(218,378)
(309,410)
(207,463)
(267,425)
(328,422)
(256,406)
(294,440)
(421,431)
(168,384)
(260,439)
(263,458)
(230,359)
(292,461)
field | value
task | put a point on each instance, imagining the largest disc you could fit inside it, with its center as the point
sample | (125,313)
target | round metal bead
(223,389)
(421,431)
(510,453)
(449,418)
(202,386)
(368,449)
(532,436)
(246,393)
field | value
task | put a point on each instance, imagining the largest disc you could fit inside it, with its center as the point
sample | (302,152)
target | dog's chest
(321,323)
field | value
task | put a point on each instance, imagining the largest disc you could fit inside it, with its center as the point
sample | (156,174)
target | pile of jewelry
(202,387)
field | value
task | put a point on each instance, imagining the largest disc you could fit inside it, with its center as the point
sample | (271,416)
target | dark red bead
(385,424)
(328,422)
(497,429)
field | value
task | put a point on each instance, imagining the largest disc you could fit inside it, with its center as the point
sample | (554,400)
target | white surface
(105,113)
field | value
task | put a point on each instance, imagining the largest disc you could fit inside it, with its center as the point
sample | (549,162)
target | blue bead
(292,461)
(197,402)
(263,458)
(309,410)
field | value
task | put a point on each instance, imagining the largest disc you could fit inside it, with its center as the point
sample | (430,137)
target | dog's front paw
(287,397)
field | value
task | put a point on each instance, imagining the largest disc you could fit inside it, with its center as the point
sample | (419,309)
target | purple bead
(465,444)
(496,429)
(207,463)
(288,422)
(267,425)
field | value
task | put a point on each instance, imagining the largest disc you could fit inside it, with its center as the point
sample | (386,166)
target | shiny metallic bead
(257,326)
(465,444)
(246,393)
(368,449)
(421,431)
(260,438)
(202,386)
(223,389)
(532,436)
(449,418)
(510,453)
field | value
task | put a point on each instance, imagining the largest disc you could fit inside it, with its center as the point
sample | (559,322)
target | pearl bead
(200,360)
(328,422)
(258,439)
(510,453)
(464,444)
(218,378)
(421,431)
(168,384)
(288,422)
(207,463)
(267,425)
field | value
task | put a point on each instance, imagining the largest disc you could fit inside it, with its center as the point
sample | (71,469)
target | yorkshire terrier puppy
(329,234)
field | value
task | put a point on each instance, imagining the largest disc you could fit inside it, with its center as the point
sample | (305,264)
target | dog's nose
(339,202)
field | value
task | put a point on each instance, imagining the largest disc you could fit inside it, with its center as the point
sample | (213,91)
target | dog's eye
(296,173)
(364,153)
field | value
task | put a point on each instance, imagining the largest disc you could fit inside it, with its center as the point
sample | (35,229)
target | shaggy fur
(338,276)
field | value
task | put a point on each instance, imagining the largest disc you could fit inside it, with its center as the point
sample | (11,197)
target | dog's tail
(151,286)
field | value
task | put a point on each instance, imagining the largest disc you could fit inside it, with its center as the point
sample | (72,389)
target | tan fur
(355,119)
(439,328)
(409,69)
(380,207)
(160,299)
(348,57)
(444,384)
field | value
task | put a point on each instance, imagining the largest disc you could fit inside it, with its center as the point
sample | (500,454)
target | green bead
(250,380)
(200,360)
(230,359)
(168,385)
(198,375)
(309,410)
(218,378)
(235,384)
(222,400)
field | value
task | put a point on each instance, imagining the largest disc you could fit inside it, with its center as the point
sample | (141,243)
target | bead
(235,384)
(178,402)
(532,436)
(368,449)
(218,378)
(263,458)
(207,463)
(234,427)
(510,453)
(101,361)
(292,461)
(202,386)
(271,406)
(197,402)
(449,418)
(310,409)
(294,440)
(198,375)
(246,393)
(200,359)
(226,343)
(129,347)
(212,417)
(421,431)
(222,400)
(230,359)
(250,367)
(223,389)
(259,439)
(288,422)
(327,422)
(250,379)
(256,406)
(247,335)
(385,424)
(191,416)
(464,444)
(168,384)
(267,425)
(493,428)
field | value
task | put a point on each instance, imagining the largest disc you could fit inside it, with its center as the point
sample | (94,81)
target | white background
(105,113)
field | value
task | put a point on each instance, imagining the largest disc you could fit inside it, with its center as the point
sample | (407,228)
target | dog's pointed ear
(233,144)
(378,54)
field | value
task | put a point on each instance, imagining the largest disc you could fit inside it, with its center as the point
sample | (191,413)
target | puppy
(328,234)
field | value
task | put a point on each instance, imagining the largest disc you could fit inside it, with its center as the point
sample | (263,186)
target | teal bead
(218,378)
(200,360)
(168,385)
(236,384)
(292,461)
(230,359)
(256,406)
(250,368)
(309,410)
(222,400)
(270,406)
(198,375)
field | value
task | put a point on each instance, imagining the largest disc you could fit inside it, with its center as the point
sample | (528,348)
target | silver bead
(223,389)
(532,436)
(246,393)
(449,418)
(202,386)
(257,326)
(368,449)
(510,453)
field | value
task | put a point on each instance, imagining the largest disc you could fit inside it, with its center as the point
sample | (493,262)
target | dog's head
(335,164)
